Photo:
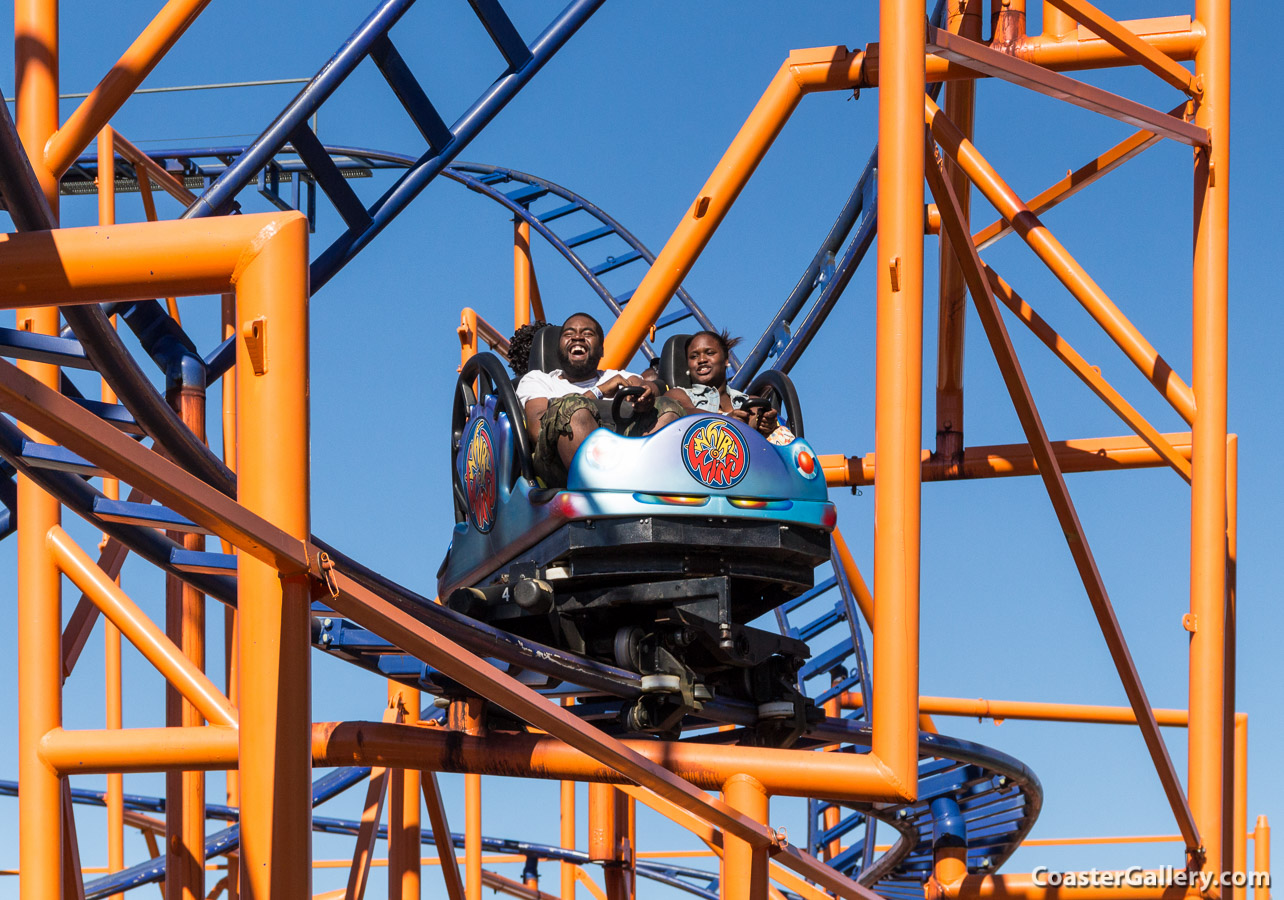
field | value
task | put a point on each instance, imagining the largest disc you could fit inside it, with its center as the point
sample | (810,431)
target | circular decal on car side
(715,453)
(479,476)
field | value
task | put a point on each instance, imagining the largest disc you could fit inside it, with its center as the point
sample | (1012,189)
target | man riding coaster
(560,406)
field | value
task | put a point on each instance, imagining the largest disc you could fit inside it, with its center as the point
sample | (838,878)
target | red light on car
(566,505)
(829,518)
(806,462)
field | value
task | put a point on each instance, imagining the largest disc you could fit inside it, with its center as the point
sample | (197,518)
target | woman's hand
(764,421)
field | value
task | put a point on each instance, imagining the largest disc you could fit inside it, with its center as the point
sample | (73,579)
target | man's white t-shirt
(537,385)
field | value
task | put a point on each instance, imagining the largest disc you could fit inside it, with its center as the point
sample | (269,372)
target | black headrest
(544,349)
(673,362)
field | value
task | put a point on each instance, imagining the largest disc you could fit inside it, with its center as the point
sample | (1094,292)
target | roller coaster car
(656,554)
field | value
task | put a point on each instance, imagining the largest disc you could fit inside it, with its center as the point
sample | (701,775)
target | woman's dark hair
(723,338)
(519,346)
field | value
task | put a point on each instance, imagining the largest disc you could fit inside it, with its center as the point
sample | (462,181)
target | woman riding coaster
(708,353)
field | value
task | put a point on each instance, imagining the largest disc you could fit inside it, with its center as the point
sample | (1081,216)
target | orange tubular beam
(567,791)
(1008,460)
(116,87)
(815,69)
(473,837)
(953,226)
(39,600)
(185,626)
(898,392)
(1208,584)
(441,837)
(960,103)
(1262,856)
(273,602)
(526,300)
(1074,182)
(472,330)
(745,866)
(793,773)
(1174,36)
(1087,374)
(1127,43)
(706,213)
(371,814)
(404,832)
(1038,711)
(1060,262)
(131,750)
(149,168)
(134,624)
(998,64)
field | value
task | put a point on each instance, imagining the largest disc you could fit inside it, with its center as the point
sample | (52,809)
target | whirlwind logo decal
(479,476)
(715,453)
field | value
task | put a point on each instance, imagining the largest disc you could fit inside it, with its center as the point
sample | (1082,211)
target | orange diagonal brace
(1127,43)
(1063,265)
(953,226)
(125,76)
(441,837)
(372,813)
(83,617)
(703,217)
(134,624)
(1073,183)
(146,167)
(1087,374)
(1009,67)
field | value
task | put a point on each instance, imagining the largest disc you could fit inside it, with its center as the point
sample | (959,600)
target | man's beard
(578,373)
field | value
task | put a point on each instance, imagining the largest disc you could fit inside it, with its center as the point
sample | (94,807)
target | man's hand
(646,401)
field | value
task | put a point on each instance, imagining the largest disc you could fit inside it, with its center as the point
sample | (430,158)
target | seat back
(673,362)
(544,349)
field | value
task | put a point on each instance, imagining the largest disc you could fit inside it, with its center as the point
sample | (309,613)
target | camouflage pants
(556,423)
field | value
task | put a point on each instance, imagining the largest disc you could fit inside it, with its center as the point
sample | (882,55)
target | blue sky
(633,115)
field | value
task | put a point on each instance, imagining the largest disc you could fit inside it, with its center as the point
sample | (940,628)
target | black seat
(544,349)
(673,362)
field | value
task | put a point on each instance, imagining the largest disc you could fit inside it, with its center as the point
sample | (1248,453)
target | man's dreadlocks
(519,346)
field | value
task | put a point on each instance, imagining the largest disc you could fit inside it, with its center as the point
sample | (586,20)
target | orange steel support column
(230,652)
(1235,725)
(567,789)
(1055,22)
(1208,462)
(899,389)
(960,104)
(1262,856)
(403,811)
(526,299)
(608,810)
(185,625)
(744,866)
(273,608)
(1239,804)
(472,837)
(39,591)
(114,797)
(568,836)
(467,716)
